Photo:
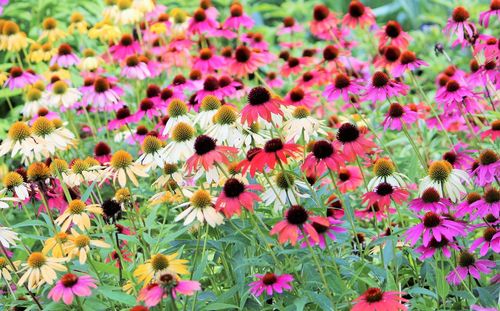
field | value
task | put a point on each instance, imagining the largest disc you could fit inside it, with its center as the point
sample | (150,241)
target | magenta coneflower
(324,155)
(374,211)
(102,152)
(382,88)
(469,265)
(246,163)
(238,18)
(459,156)
(324,22)
(207,62)
(273,80)
(384,194)
(289,26)
(488,204)
(236,194)
(246,61)
(123,117)
(297,218)
(169,285)
(71,285)
(270,283)
(125,48)
(211,86)
(397,115)
(147,108)
(167,95)
(208,154)
(342,86)
(65,57)
(135,69)
(201,23)
(18,78)
(228,87)
(434,225)
(466,206)
(444,245)
(260,105)
(300,97)
(488,45)
(358,14)
(392,33)
(408,61)
(458,24)
(330,231)
(374,299)
(353,142)
(274,150)
(484,17)
(488,168)
(493,132)
(350,178)
(489,239)
(453,92)
(311,78)
(430,201)
(389,57)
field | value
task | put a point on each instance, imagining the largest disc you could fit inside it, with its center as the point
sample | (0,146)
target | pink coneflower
(430,201)
(397,115)
(274,150)
(102,152)
(458,24)
(155,68)
(453,92)
(311,78)
(228,87)
(392,33)
(350,178)
(167,95)
(208,154)
(65,57)
(103,94)
(71,285)
(255,41)
(434,225)
(389,55)
(335,209)
(260,105)
(374,299)
(135,69)
(459,156)
(211,86)
(270,283)
(465,207)
(324,155)
(488,45)
(246,163)
(207,62)
(125,48)
(324,22)
(488,168)
(169,284)
(469,265)
(300,97)
(353,142)
(342,86)
(374,211)
(489,239)
(484,17)
(289,26)
(297,218)
(201,23)
(238,18)
(384,194)
(147,108)
(358,14)
(123,117)
(273,80)
(382,88)
(329,231)
(234,195)
(408,61)
(292,66)
(246,61)
(444,245)
(488,204)
(18,78)
(493,132)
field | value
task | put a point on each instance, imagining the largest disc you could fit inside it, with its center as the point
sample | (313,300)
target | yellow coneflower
(79,245)
(160,263)
(105,31)
(40,269)
(179,20)
(12,39)
(56,245)
(6,268)
(90,60)
(14,182)
(78,23)
(56,71)
(50,30)
(121,166)
(3,77)
(77,213)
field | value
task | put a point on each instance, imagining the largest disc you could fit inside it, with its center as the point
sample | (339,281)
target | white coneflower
(170,172)
(226,128)
(177,113)
(284,191)
(126,13)
(77,213)
(153,153)
(40,270)
(50,137)
(19,140)
(83,171)
(301,124)
(385,172)
(50,30)
(208,108)
(144,6)
(90,61)
(444,178)
(6,268)
(253,136)
(34,102)
(200,207)
(14,182)
(121,166)
(62,95)
(181,146)
(8,237)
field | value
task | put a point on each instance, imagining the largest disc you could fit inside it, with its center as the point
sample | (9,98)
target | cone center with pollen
(201,199)
(379,79)
(488,233)
(258,96)
(33,95)
(3,262)
(36,260)
(383,167)
(344,174)
(374,295)
(101,85)
(273,145)
(12,179)
(38,171)
(487,157)
(492,196)
(82,241)
(320,12)
(342,81)
(431,220)
(460,14)
(225,115)
(177,108)
(392,29)
(233,188)
(297,215)
(284,180)
(466,259)
(440,170)
(347,133)
(430,195)
(76,207)
(356,9)
(495,125)
(209,103)
(61,237)
(182,132)
(301,112)
(269,278)
(204,144)
(43,127)
(473,197)
(159,262)
(452,86)
(19,131)
(79,166)
(151,144)
(10,28)
(121,159)
(242,54)
(69,279)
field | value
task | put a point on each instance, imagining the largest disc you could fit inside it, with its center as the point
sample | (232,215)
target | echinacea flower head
(358,15)
(200,207)
(490,239)
(374,299)
(445,179)
(352,141)
(488,168)
(77,213)
(430,201)
(469,265)
(235,194)
(121,167)
(343,87)
(71,285)
(274,151)
(382,88)
(408,61)
(167,284)
(324,156)
(270,283)
(79,245)
(14,182)
(397,115)
(207,154)
(40,269)
(460,25)
(324,22)
(385,171)
(494,10)
(8,237)
(393,33)
(65,57)
(158,264)
(238,18)
(488,204)
(445,246)
(383,194)
(434,225)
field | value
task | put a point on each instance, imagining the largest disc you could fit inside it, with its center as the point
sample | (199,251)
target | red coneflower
(246,61)
(323,156)
(260,105)
(353,141)
(207,153)
(392,33)
(384,194)
(324,22)
(236,194)
(274,150)
(374,299)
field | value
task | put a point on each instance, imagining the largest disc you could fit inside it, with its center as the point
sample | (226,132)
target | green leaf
(443,288)
(120,296)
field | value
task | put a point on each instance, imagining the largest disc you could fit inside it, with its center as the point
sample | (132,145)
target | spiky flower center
(82,241)
(466,259)
(225,115)
(19,131)
(76,207)
(373,295)
(273,145)
(297,215)
(121,159)
(431,220)
(151,144)
(384,167)
(49,23)
(69,280)
(233,188)
(258,96)
(36,260)
(12,179)
(460,14)
(396,110)
(491,196)
(269,278)
(58,166)
(201,199)
(322,149)
(440,170)
(347,133)
(487,157)
(38,171)
(203,144)
(301,112)
(177,108)
(33,94)
(182,132)
(209,103)
(284,180)
(43,127)
(430,195)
